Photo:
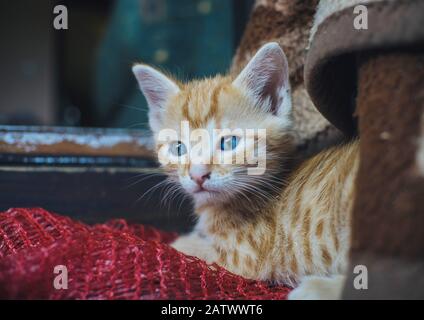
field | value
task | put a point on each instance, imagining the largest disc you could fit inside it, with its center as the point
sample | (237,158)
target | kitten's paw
(194,246)
(319,288)
(185,245)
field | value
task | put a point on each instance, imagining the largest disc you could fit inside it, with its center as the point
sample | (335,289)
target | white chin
(203,197)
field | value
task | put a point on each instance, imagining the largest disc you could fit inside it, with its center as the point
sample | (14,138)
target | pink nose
(201,179)
(199,174)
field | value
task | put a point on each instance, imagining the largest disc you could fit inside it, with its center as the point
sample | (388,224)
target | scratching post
(370,83)
(388,217)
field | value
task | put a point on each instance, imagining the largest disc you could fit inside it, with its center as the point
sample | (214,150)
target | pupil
(222,143)
(233,142)
(228,143)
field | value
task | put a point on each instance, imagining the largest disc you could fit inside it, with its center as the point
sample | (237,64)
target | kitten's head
(198,124)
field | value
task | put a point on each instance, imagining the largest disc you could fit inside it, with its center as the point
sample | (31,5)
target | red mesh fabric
(108,261)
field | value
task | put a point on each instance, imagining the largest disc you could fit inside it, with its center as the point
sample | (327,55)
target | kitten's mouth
(201,190)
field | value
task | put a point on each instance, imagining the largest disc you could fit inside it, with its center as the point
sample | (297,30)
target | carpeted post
(388,217)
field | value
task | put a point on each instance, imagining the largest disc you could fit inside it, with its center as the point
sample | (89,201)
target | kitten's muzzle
(201,180)
(199,174)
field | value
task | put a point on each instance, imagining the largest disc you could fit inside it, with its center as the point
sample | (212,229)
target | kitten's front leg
(319,288)
(195,245)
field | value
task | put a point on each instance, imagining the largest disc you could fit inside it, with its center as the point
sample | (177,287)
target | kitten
(286,225)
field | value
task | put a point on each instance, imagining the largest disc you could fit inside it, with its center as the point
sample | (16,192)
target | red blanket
(107,261)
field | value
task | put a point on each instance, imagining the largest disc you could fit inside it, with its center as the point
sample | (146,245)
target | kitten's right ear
(157,89)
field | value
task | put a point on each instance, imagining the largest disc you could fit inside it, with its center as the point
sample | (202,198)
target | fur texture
(291,221)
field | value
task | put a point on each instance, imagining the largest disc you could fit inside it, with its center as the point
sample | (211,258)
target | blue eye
(229,143)
(178,148)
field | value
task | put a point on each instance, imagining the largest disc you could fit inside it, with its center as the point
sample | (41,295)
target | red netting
(108,261)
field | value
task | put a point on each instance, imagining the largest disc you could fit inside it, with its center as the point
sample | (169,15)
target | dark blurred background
(81,76)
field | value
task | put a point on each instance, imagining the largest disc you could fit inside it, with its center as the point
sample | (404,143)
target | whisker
(152,189)
(132,107)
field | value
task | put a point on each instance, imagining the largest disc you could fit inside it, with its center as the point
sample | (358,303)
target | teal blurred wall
(189,38)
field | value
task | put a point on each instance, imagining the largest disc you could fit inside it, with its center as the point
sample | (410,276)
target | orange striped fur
(280,226)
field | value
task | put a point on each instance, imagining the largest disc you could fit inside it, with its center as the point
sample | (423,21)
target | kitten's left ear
(266,79)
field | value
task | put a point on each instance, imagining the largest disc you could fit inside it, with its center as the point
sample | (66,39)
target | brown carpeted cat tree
(289,24)
(367,82)
(371,81)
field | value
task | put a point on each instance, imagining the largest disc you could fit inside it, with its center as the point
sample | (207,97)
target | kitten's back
(315,212)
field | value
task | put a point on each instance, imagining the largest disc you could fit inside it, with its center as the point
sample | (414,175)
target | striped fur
(291,222)
(306,232)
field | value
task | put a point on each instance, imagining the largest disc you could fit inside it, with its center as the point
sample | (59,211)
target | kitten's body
(304,231)
(279,226)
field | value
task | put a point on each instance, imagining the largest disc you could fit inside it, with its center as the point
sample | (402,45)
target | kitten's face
(257,99)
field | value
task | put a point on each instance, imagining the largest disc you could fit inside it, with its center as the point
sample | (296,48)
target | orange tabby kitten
(287,226)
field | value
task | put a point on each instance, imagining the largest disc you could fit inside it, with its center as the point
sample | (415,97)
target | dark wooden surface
(89,174)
